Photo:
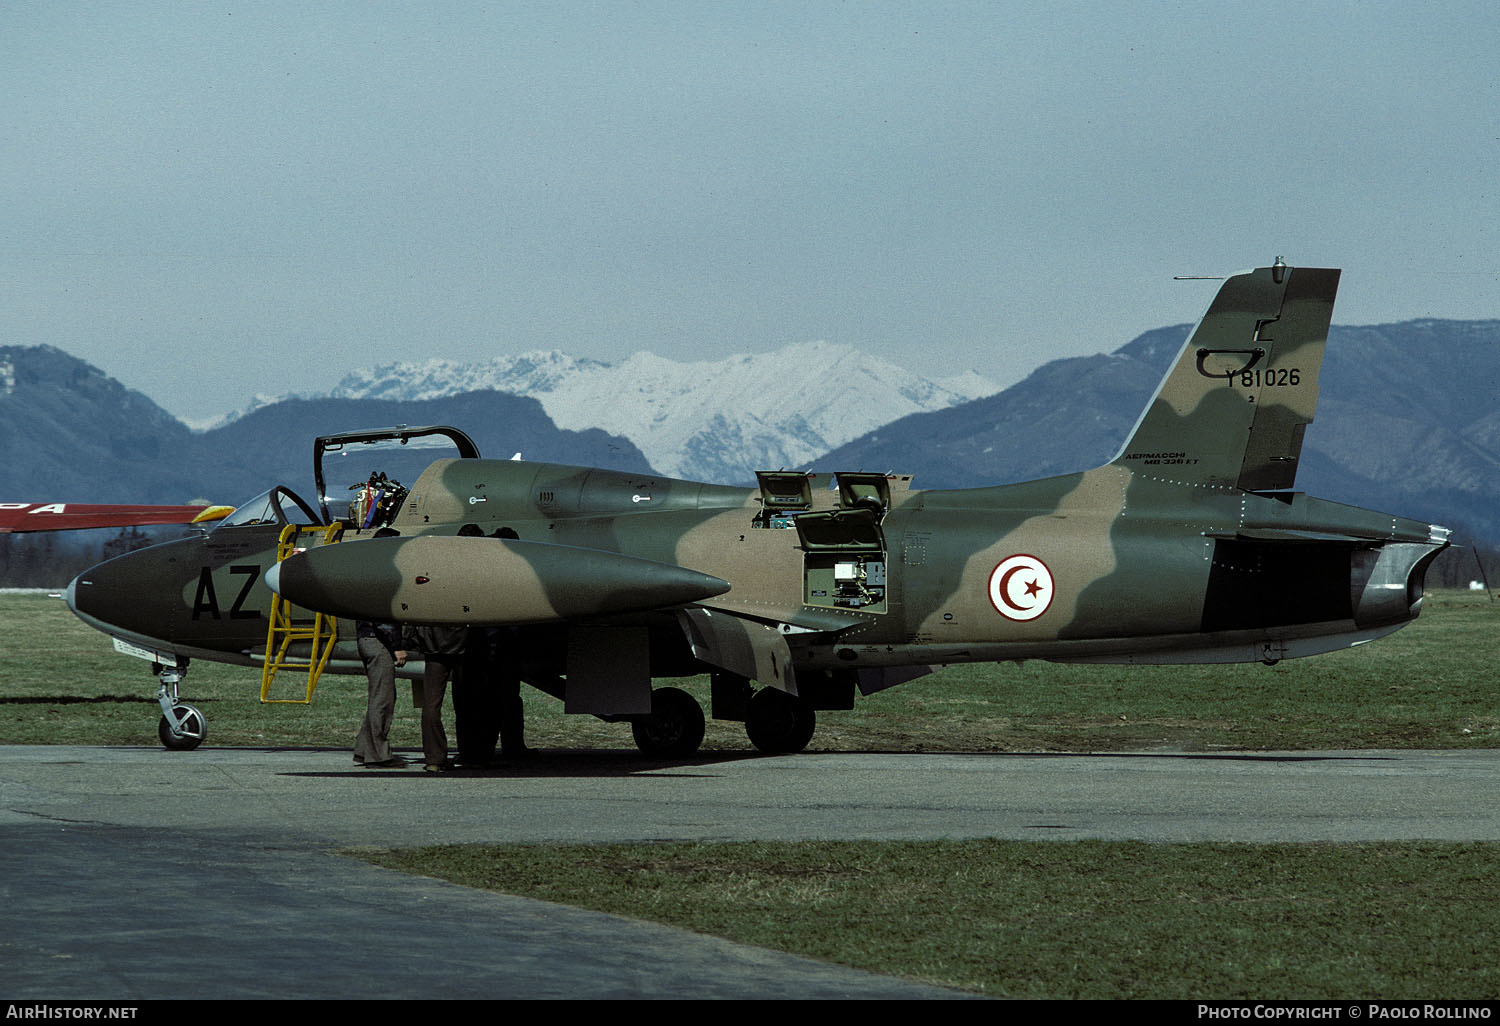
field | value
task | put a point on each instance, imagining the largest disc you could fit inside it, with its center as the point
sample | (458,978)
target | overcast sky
(213,199)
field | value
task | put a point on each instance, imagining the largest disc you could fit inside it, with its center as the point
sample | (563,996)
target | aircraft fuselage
(1093,566)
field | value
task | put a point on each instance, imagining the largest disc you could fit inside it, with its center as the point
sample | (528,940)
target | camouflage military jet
(1188,547)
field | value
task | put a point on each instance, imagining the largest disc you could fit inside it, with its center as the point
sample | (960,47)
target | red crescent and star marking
(1021,588)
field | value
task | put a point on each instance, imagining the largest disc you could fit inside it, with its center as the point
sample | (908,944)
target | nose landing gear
(182,727)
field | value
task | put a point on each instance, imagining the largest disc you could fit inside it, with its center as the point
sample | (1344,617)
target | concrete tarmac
(135,873)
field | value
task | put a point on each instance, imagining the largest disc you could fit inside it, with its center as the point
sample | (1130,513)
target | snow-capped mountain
(715,420)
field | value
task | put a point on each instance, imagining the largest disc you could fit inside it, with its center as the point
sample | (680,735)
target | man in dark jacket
(442,651)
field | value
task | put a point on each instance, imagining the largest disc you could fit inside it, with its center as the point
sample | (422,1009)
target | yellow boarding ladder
(285,631)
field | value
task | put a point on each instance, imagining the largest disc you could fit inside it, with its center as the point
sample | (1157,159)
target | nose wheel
(182,727)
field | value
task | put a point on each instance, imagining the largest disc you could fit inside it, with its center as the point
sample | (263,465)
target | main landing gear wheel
(779,723)
(191,729)
(674,727)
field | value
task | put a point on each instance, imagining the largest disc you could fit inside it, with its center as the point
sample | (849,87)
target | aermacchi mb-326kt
(1188,547)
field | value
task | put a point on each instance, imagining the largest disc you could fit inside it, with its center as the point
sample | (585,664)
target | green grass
(1431,685)
(1087,919)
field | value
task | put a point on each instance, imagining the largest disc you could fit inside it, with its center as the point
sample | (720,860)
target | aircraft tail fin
(1232,409)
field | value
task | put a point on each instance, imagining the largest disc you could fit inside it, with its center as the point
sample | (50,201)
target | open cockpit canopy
(363,476)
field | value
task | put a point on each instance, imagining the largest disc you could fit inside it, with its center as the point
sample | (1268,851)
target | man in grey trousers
(381,648)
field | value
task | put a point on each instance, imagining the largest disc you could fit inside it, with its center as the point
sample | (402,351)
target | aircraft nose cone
(79,596)
(273,578)
(147,593)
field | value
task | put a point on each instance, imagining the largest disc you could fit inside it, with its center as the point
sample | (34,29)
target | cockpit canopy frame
(465,445)
(279,506)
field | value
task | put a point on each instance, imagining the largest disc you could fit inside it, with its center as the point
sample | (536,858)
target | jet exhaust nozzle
(1387,582)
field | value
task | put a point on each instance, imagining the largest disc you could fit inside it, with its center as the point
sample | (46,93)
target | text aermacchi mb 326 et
(1188,547)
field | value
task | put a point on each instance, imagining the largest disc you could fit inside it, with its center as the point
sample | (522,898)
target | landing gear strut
(674,727)
(182,727)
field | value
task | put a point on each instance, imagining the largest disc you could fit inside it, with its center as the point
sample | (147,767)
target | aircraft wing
(28,517)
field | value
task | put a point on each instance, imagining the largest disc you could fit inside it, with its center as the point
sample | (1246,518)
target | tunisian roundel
(1021,587)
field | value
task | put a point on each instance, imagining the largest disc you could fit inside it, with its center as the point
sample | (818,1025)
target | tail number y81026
(1271,377)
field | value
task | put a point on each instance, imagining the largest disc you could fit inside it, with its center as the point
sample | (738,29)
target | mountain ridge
(716,420)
